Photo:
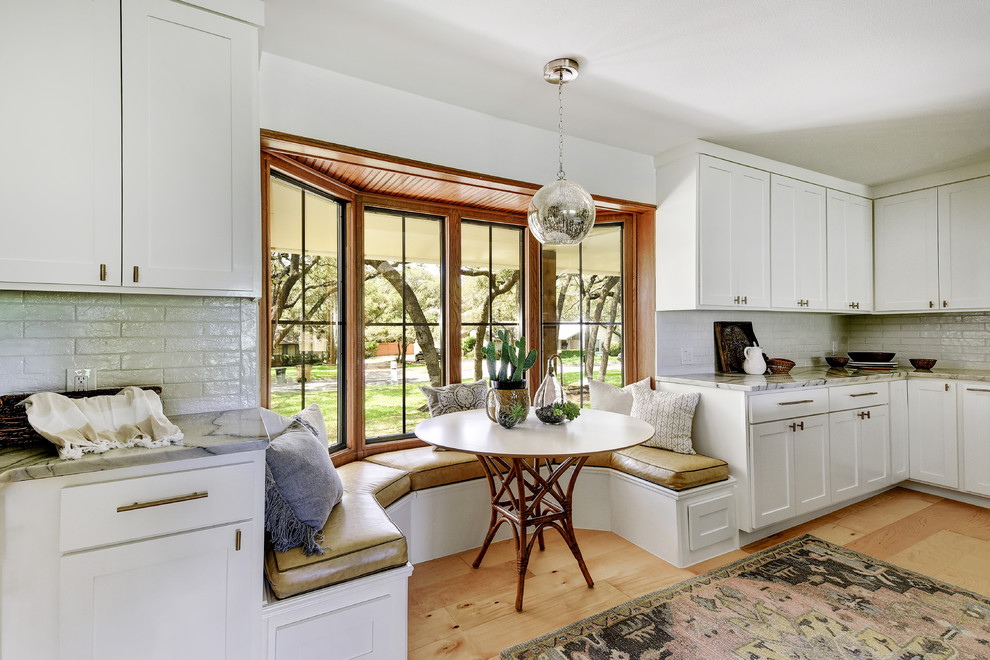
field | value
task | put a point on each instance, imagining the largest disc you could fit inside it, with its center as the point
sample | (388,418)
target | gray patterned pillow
(670,414)
(454,398)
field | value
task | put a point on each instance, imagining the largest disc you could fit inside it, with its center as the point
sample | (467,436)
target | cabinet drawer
(848,397)
(784,405)
(116,511)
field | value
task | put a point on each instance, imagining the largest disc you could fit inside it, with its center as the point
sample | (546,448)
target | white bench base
(364,618)
(367,618)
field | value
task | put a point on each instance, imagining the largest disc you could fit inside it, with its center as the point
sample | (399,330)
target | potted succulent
(507,362)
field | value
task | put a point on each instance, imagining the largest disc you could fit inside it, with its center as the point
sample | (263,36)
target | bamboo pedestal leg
(529,503)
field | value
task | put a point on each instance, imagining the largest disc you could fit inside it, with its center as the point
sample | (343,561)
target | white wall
(311,102)
(804,338)
(202,351)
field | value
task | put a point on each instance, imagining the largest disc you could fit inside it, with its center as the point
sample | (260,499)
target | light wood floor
(459,612)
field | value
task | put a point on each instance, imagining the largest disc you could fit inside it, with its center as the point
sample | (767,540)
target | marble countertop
(206,434)
(814,377)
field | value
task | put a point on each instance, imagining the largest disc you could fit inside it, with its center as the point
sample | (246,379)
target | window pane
(383,383)
(305,301)
(506,264)
(475,259)
(582,309)
(403,301)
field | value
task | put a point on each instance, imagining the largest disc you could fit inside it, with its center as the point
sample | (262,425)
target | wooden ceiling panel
(376,174)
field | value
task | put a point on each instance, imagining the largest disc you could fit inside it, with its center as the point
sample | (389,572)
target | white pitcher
(754,362)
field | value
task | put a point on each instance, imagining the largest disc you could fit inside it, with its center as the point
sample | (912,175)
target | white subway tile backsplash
(955,340)
(195,347)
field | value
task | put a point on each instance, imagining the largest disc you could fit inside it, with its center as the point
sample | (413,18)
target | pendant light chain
(560,126)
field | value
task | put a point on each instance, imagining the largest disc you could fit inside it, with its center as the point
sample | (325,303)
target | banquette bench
(412,505)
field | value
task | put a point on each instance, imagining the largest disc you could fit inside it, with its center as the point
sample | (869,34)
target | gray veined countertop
(814,377)
(205,434)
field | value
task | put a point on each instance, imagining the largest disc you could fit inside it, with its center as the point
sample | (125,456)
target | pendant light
(562,212)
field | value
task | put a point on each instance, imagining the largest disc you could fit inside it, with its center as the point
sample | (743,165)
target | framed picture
(731,339)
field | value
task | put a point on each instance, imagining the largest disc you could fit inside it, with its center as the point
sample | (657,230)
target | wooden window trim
(639,279)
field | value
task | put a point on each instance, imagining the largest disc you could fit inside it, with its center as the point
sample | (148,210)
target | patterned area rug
(805,599)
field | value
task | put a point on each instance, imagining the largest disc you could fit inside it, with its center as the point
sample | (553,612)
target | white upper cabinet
(849,231)
(190,148)
(797,244)
(183,212)
(734,227)
(60,172)
(906,252)
(963,245)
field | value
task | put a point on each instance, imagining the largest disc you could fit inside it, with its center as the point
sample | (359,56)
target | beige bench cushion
(362,538)
(428,468)
(670,469)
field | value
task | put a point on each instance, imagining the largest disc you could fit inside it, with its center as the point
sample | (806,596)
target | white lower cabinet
(933,437)
(183,596)
(154,562)
(859,443)
(790,468)
(974,436)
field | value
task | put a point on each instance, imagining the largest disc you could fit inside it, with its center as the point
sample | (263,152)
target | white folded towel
(131,418)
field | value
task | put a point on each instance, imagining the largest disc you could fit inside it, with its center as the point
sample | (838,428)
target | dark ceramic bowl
(922,364)
(780,365)
(836,362)
(867,356)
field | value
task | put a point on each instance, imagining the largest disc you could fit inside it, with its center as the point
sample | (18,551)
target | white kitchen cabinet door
(772,474)
(906,251)
(860,451)
(798,260)
(849,230)
(963,244)
(60,172)
(933,437)
(182,596)
(900,466)
(190,150)
(734,229)
(974,427)
(812,484)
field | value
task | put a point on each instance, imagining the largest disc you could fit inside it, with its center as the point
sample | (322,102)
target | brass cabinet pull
(797,426)
(864,415)
(744,301)
(930,304)
(976,389)
(103,272)
(135,273)
(167,500)
(865,394)
(946,387)
(945,303)
(794,403)
(736,300)
(237,541)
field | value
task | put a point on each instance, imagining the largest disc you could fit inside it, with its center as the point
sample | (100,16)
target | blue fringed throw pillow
(301,484)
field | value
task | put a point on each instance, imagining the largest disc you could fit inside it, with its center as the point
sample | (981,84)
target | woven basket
(779,365)
(14,427)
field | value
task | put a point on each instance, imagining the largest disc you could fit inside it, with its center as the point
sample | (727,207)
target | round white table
(524,466)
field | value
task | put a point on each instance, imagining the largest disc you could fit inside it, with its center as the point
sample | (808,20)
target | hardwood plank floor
(459,612)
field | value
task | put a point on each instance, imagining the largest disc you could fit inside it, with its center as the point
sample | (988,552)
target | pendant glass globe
(561,213)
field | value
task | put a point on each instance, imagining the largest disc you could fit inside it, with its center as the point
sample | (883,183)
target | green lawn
(383,403)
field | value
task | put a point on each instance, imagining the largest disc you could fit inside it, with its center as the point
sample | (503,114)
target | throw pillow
(671,416)
(454,398)
(301,484)
(605,396)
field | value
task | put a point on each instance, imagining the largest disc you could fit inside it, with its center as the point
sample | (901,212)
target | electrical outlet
(687,356)
(79,379)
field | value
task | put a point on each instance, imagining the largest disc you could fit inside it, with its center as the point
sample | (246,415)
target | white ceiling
(871,91)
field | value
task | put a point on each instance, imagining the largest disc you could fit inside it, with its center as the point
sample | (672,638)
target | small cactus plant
(512,362)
